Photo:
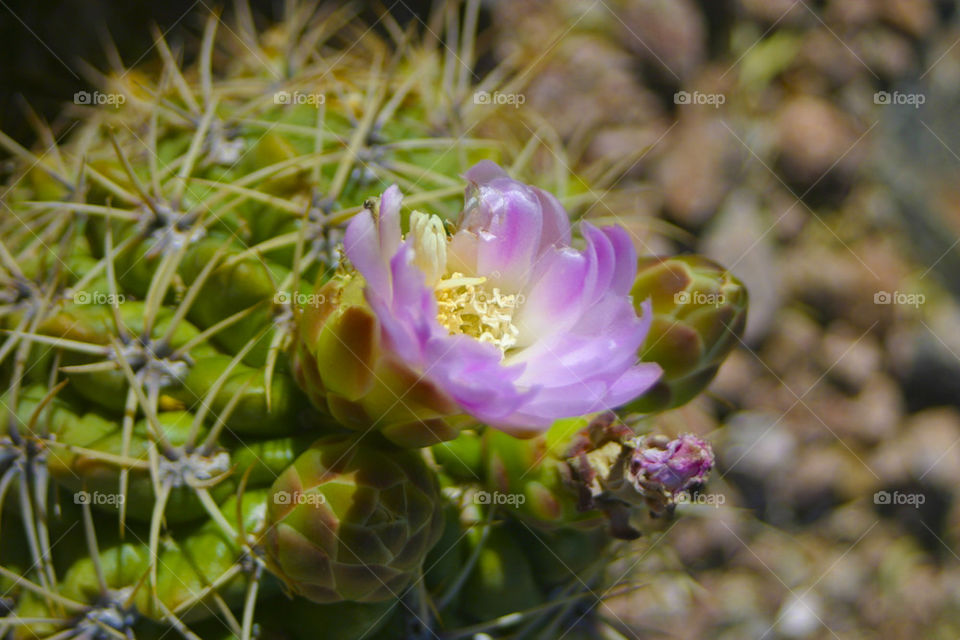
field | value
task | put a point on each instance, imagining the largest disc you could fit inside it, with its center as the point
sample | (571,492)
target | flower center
(465,305)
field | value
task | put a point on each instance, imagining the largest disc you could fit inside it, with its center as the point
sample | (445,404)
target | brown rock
(886,52)
(814,137)
(831,56)
(794,337)
(581,70)
(851,356)
(669,34)
(879,409)
(916,17)
(693,172)
(630,146)
(931,442)
(851,13)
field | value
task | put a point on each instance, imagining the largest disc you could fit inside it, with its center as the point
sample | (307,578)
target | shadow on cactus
(298,339)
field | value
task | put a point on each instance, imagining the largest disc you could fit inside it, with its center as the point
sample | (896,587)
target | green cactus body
(502,580)
(184,571)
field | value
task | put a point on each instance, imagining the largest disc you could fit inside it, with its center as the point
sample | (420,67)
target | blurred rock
(693,172)
(916,17)
(670,35)
(886,52)
(926,363)
(851,13)
(932,447)
(580,68)
(879,409)
(830,56)
(615,144)
(735,377)
(800,615)
(757,444)
(739,239)
(927,450)
(814,138)
(850,356)
(827,473)
(788,348)
(840,393)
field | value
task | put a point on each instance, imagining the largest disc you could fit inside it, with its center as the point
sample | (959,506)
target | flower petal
(472,373)
(408,315)
(556,222)
(553,302)
(625,259)
(369,245)
(502,225)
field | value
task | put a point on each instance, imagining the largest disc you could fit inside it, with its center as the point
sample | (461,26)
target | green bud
(352,520)
(699,313)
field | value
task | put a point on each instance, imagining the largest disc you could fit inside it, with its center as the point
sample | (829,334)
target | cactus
(275,323)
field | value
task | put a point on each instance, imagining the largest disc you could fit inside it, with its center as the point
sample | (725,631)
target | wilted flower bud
(670,465)
(699,311)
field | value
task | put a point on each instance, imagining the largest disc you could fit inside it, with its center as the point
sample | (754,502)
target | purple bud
(673,465)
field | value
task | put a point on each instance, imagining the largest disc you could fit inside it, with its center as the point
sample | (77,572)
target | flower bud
(699,313)
(351,520)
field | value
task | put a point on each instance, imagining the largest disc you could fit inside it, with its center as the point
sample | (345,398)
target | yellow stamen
(465,305)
